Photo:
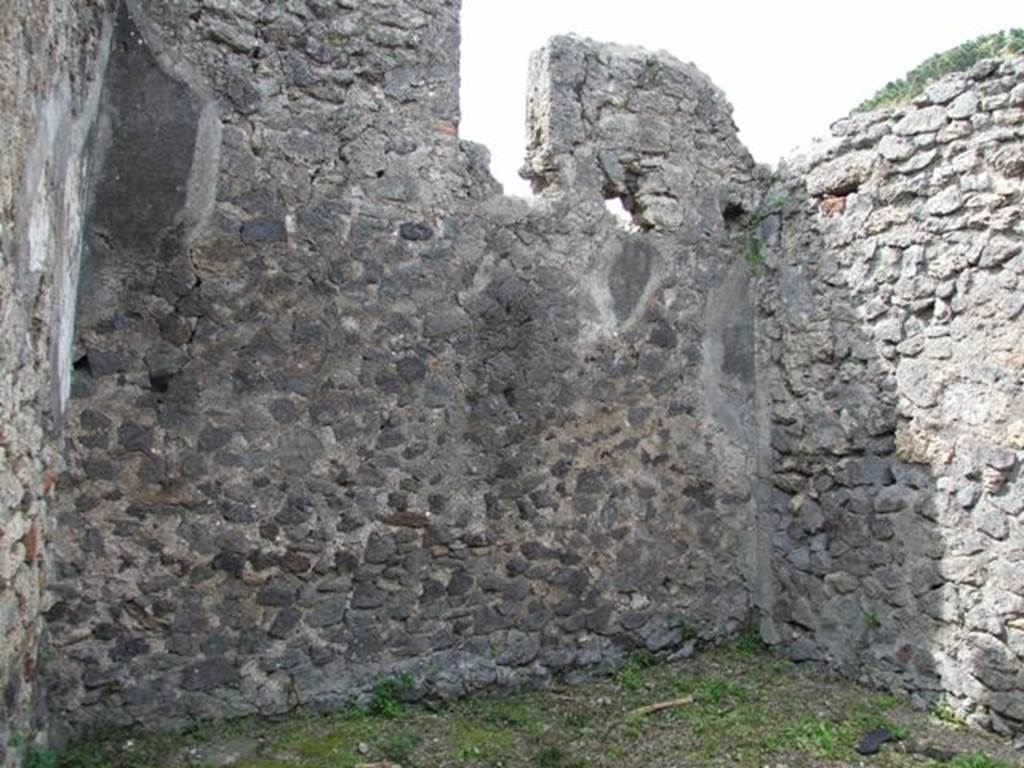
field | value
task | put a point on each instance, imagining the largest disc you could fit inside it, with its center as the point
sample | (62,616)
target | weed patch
(634,671)
(386,696)
(958,59)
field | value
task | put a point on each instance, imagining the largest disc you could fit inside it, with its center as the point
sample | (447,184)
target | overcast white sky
(789,68)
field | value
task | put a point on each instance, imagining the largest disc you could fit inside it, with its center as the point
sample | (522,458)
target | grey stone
(284,623)
(518,649)
(918,383)
(208,674)
(266,230)
(214,438)
(366,595)
(135,437)
(948,201)
(329,612)
(658,634)
(917,121)
(379,549)
(277,595)
(460,583)
(895,148)
(963,106)
(946,89)
(1017,96)
(841,176)
(894,498)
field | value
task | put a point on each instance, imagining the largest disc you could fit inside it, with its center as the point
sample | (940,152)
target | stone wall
(342,411)
(50,57)
(890,326)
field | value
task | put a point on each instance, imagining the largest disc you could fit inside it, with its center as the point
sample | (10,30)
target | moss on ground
(958,59)
(737,706)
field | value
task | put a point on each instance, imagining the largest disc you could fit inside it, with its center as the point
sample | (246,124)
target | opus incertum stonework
(292,398)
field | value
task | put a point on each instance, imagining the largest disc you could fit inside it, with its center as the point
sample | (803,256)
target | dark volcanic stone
(872,741)
(379,549)
(460,584)
(284,623)
(415,231)
(328,612)
(366,595)
(135,437)
(214,438)
(209,674)
(276,594)
(264,231)
(232,562)
(663,336)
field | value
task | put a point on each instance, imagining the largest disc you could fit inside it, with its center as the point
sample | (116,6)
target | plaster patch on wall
(629,277)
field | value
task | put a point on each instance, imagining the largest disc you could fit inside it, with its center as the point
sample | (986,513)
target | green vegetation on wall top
(956,59)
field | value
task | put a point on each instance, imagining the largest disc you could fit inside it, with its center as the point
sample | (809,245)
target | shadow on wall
(890,333)
(855,551)
(156,151)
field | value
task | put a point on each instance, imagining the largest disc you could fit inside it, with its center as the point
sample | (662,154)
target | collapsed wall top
(613,121)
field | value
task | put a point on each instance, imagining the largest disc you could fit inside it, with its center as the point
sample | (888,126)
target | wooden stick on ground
(670,704)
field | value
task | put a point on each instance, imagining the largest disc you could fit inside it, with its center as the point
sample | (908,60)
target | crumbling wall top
(614,121)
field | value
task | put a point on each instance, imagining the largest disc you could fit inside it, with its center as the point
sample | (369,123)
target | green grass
(555,757)
(386,699)
(831,738)
(41,759)
(957,59)
(634,670)
(977,760)
(872,620)
(753,253)
(944,712)
(736,705)
(748,642)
